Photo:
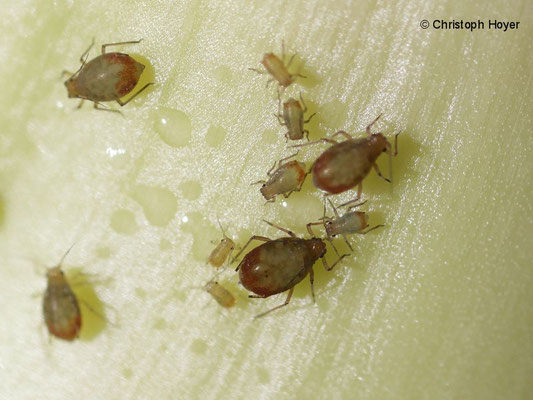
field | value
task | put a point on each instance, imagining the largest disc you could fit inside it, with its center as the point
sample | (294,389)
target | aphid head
(267,192)
(329,229)
(363,218)
(317,247)
(71,87)
(228,242)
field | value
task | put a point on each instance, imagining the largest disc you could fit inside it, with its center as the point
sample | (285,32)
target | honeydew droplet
(159,204)
(191,190)
(173,126)
(215,136)
(123,221)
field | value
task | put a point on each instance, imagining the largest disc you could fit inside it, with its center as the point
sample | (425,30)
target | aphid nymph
(108,77)
(349,223)
(277,69)
(292,118)
(279,264)
(220,294)
(287,178)
(60,306)
(345,164)
(222,251)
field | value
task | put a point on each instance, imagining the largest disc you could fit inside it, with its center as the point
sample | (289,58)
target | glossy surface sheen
(436,305)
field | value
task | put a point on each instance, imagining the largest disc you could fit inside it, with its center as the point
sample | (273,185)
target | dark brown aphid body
(287,178)
(278,265)
(292,118)
(220,294)
(60,306)
(345,164)
(108,77)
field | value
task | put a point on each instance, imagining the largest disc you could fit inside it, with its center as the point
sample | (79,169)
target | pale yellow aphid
(292,118)
(277,69)
(220,294)
(223,250)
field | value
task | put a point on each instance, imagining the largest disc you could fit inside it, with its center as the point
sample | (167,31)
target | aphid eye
(264,184)
(384,150)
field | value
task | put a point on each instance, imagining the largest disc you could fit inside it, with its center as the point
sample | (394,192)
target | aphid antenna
(390,159)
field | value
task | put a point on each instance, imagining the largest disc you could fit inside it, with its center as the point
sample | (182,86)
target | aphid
(220,294)
(108,77)
(278,265)
(287,178)
(293,118)
(223,250)
(345,164)
(351,222)
(277,69)
(60,305)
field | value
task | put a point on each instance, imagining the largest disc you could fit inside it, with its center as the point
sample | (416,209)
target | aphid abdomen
(276,266)
(277,69)
(220,253)
(351,222)
(294,119)
(61,311)
(343,165)
(286,179)
(108,77)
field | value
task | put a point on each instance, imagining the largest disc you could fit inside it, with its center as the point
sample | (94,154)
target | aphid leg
(101,107)
(326,265)
(259,182)
(396,144)
(81,104)
(380,174)
(287,300)
(135,95)
(83,57)
(309,119)
(312,281)
(254,237)
(119,43)
(268,82)
(334,209)
(66,72)
(284,159)
(372,123)
(308,226)
(325,140)
(347,242)
(258,71)
(343,133)
(306,133)
(354,206)
(371,229)
(290,233)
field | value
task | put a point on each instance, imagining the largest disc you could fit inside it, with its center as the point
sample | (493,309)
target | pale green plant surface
(436,305)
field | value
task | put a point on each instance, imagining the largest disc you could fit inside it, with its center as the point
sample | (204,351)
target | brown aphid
(347,224)
(108,77)
(60,306)
(293,118)
(345,164)
(220,294)
(278,265)
(287,178)
(223,250)
(277,69)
